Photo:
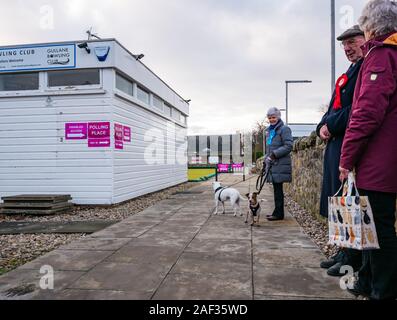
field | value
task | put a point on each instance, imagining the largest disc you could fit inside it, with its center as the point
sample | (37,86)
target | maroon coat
(370,143)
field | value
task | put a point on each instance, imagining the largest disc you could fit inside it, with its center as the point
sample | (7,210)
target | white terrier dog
(222,194)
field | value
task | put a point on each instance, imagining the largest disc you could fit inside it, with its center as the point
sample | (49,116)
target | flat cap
(351,32)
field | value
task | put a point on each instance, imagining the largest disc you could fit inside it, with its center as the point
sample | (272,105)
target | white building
(302,129)
(90,120)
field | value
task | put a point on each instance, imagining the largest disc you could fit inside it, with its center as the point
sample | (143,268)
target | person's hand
(269,160)
(324,133)
(344,173)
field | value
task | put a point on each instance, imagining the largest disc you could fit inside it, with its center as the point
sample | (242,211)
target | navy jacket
(337,121)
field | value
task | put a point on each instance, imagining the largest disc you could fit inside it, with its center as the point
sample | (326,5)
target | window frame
(10,92)
(134,93)
(167,106)
(139,87)
(161,100)
(80,87)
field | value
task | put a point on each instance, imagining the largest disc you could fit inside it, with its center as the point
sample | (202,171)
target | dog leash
(260,183)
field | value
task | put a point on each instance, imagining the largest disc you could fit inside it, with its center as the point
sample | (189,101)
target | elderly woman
(278,160)
(370,145)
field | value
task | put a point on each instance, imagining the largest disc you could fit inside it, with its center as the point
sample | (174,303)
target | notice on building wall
(98,134)
(40,57)
(76,131)
(121,134)
(119,145)
(127,134)
(118,132)
(118,136)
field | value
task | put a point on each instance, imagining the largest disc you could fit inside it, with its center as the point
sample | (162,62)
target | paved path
(178,250)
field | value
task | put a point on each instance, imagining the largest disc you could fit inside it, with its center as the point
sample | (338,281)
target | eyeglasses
(349,42)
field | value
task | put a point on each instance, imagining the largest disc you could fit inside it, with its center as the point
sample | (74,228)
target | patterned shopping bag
(350,219)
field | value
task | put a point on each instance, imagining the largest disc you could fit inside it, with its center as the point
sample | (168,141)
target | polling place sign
(38,57)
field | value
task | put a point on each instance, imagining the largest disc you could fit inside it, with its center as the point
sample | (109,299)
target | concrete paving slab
(238,247)
(142,255)
(15,281)
(53,227)
(97,244)
(81,294)
(280,238)
(300,281)
(123,277)
(125,230)
(212,232)
(68,260)
(292,257)
(188,286)
(229,266)
(167,239)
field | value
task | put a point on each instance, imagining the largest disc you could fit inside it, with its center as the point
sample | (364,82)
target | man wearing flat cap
(332,129)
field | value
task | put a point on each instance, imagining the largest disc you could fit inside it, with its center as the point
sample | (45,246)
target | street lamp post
(287,82)
(333,49)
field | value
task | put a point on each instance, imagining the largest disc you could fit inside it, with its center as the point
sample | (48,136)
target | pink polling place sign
(98,134)
(238,165)
(99,143)
(127,134)
(98,130)
(119,145)
(118,132)
(75,131)
(223,167)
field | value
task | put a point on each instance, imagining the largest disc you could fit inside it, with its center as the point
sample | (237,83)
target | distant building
(215,149)
(302,129)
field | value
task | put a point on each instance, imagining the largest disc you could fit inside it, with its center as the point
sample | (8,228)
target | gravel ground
(19,249)
(315,229)
(117,212)
(16,250)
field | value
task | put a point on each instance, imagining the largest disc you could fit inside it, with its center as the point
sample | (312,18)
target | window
(176,114)
(66,78)
(157,102)
(167,110)
(184,119)
(143,95)
(19,81)
(124,85)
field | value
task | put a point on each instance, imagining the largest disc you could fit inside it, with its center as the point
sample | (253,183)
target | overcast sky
(231,57)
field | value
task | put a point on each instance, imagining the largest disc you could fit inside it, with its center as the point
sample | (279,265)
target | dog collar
(220,188)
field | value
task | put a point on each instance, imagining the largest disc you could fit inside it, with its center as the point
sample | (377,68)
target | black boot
(335,270)
(326,264)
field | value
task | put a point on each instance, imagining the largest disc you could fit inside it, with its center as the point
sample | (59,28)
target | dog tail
(242,198)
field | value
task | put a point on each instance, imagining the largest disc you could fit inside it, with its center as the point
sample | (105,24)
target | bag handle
(351,182)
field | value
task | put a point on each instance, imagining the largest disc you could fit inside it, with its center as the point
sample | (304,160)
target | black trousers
(278,200)
(378,274)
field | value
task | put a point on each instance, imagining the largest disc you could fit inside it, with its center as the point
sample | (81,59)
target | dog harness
(220,193)
(255,209)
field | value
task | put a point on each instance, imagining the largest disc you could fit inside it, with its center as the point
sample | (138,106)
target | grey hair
(274,112)
(379,17)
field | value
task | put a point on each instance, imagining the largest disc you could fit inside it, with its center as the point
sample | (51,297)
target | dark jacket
(280,149)
(336,121)
(370,143)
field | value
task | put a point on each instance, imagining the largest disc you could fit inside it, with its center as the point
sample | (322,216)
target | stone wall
(307,171)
